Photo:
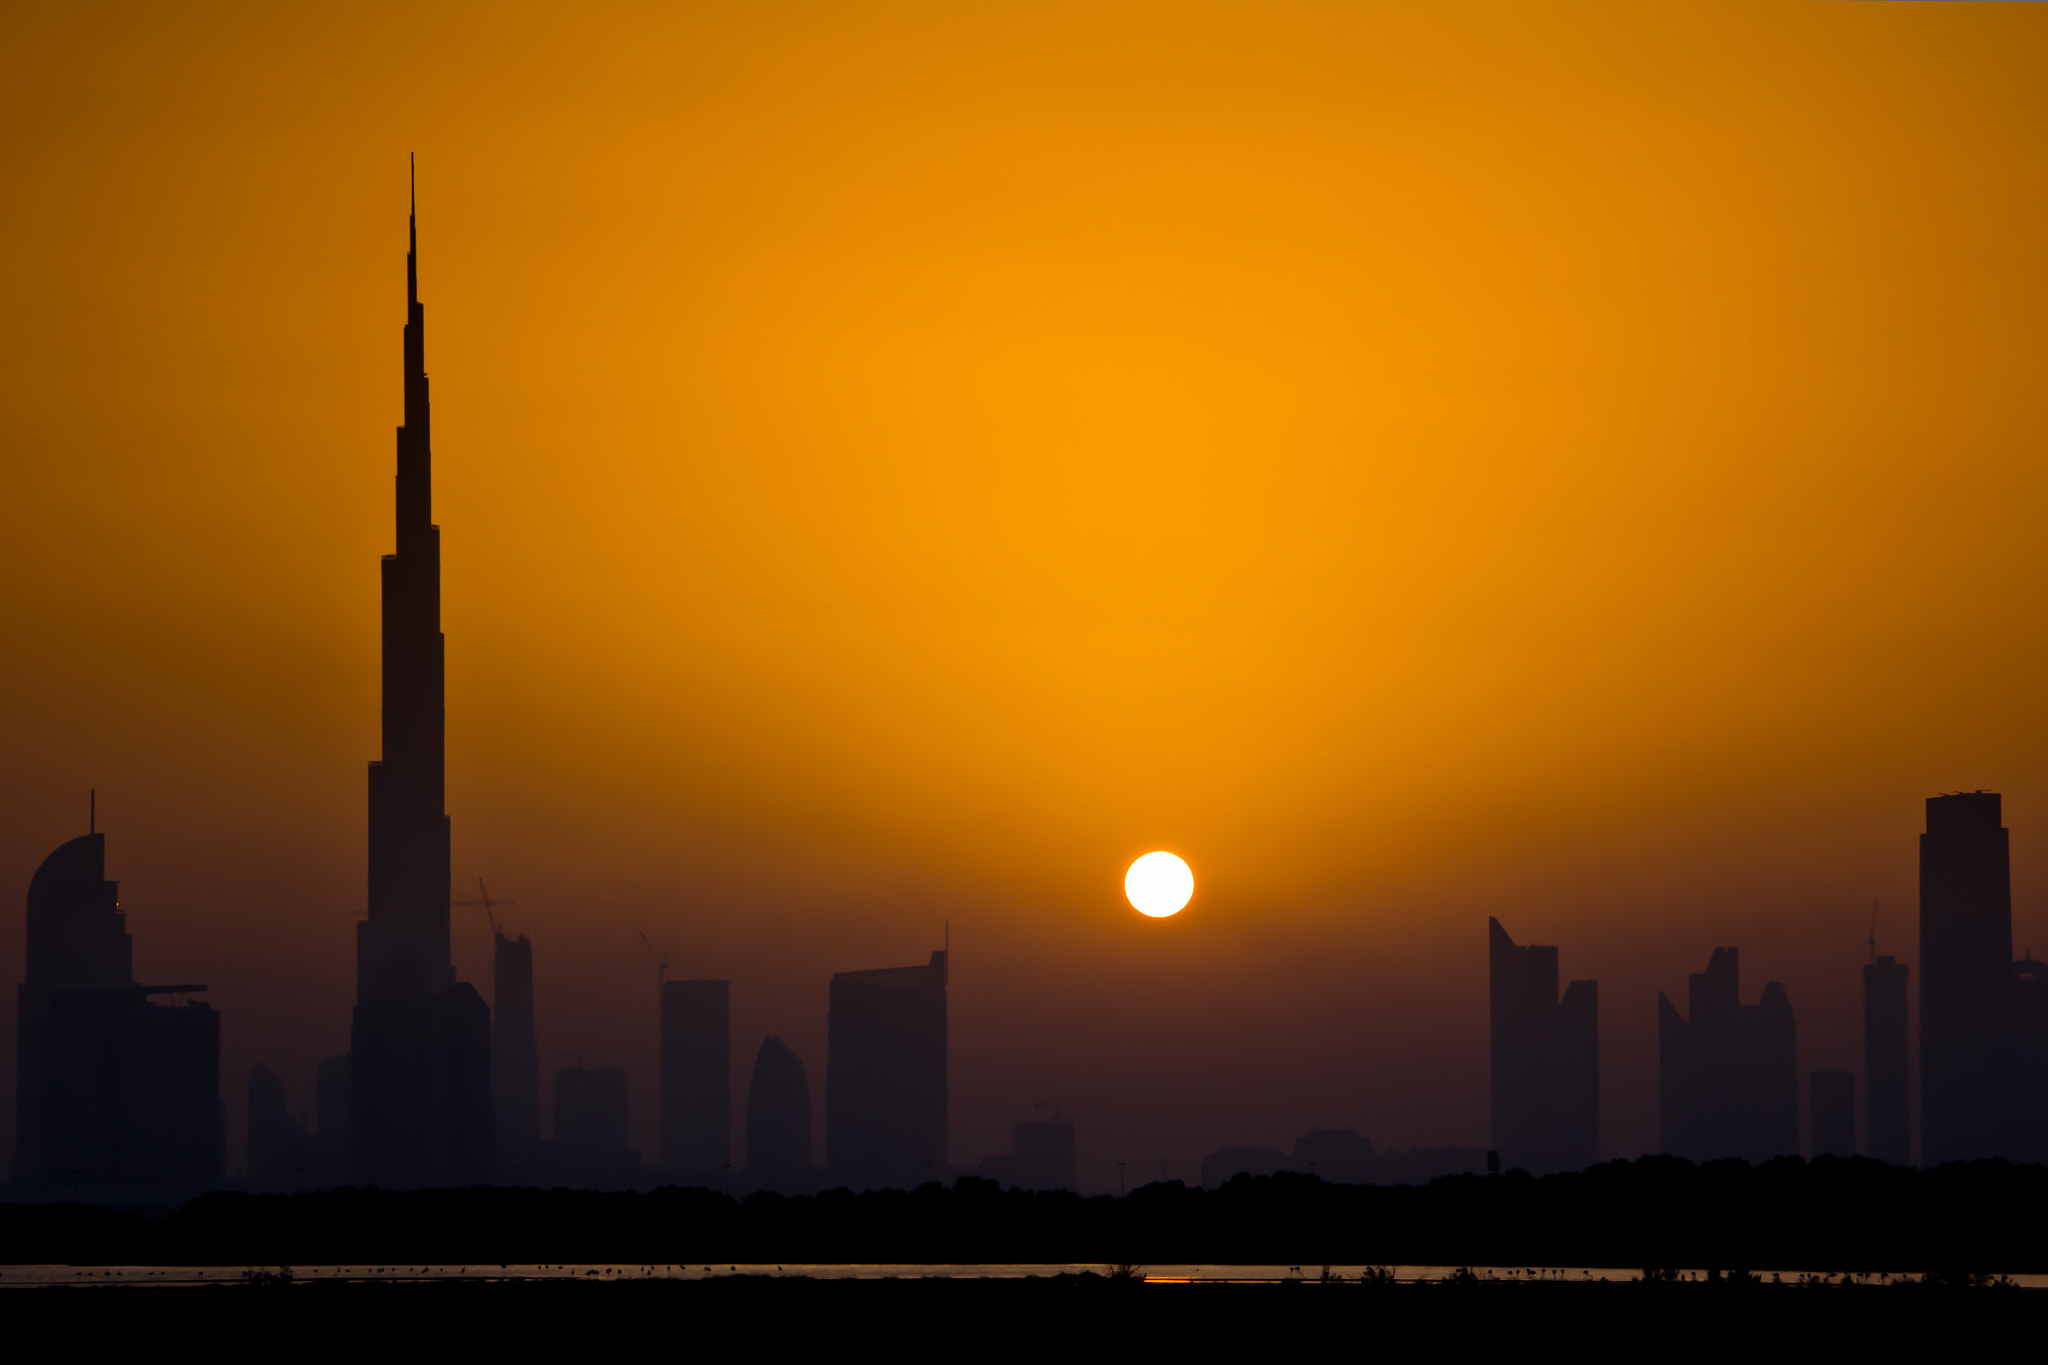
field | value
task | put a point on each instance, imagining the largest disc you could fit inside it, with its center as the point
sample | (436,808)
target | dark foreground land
(1831,1216)
(1034,1318)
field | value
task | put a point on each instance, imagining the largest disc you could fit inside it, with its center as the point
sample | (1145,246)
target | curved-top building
(778,1117)
(77,940)
(116,1097)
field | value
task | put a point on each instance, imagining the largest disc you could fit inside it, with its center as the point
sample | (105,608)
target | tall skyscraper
(696,1079)
(779,1120)
(515,1052)
(131,1093)
(77,939)
(280,1154)
(114,1094)
(885,1077)
(420,1098)
(1728,1078)
(1965,979)
(590,1111)
(2028,1116)
(1044,1153)
(1887,1115)
(333,1126)
(1546,1059)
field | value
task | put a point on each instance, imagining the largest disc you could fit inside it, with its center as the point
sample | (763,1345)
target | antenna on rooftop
(1873,928)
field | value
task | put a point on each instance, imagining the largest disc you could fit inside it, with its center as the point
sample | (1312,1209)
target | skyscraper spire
(420,1052)
(405,937)
(412,233)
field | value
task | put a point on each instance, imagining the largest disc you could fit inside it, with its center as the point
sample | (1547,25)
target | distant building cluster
(119,1092)
(1728,1072)
(118,1083)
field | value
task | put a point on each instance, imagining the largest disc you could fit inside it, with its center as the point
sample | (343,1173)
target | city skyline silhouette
(900,487)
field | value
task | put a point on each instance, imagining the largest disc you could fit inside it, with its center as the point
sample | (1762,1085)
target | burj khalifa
(420,1110)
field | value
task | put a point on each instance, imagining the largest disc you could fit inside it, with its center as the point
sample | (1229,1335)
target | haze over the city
(1580,465)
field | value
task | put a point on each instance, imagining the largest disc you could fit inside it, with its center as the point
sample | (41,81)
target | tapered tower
(420,1106)
(402,947)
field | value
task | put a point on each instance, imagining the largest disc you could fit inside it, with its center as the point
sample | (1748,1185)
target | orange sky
(896,464)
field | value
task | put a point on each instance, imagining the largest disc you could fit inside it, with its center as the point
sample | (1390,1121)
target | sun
(1159,884)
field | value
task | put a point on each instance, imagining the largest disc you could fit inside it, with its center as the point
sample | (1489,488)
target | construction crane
(486,903)
(661,959)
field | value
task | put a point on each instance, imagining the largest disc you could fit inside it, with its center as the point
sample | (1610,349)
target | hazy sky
(897,463)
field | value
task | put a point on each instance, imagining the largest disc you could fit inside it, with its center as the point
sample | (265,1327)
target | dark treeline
(1828,1215)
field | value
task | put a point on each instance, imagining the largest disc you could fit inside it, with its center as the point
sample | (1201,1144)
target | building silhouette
(696,1079)
(778,1120)
(1887,1114)
(515,1052)
(1044,1153)
(590,1109)
(885,1076)
(115,1094)
(2029,1101)
(1728,1077)
(131,1094)
(331,1126)
(1041,1156)
(77,939)
(1965,979)
(1834,1113)
(1343,1156)
(1546,1059)
(282,1155)
(420,1103)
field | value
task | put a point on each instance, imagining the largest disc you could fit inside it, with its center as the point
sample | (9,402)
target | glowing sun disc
(1159,884)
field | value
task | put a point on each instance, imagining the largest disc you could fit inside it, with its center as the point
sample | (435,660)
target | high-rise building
(1728,1078)
(2028,1120)
(131,1093)
(515,1052)
(590,1110)
(1043,1150)
(1546,1059)
(421,1091)
(1834,1113)
(696,1079)
(1965,979)
(885,1077)
(778,1119)
(1887,1115)
(332,1126)
(1041,1156)
(1342,1156)
(114,1095)
(77,939)
(281,1155)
